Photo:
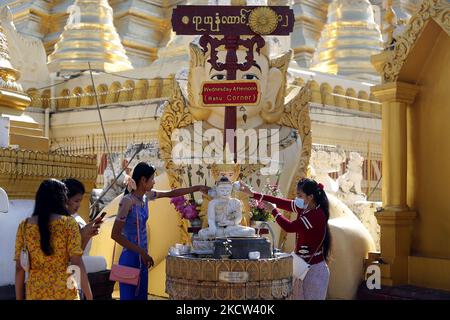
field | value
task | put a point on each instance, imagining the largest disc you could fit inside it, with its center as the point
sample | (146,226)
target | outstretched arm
(285,223)
(155,194)
(284,204)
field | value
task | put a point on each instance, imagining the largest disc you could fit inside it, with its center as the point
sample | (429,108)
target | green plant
(257,210)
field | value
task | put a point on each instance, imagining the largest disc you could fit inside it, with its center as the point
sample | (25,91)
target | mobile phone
(99,219)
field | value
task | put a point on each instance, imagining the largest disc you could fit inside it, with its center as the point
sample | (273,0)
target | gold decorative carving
(263,20)
(273,113)
(439,11)
(176,115)
(272,285)
(22,171)
(296,115)
(231,170)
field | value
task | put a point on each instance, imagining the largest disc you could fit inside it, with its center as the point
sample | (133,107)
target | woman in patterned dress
(53,241)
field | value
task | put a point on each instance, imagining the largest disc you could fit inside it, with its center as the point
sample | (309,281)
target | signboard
(230,93)
(233,20)
(233,277)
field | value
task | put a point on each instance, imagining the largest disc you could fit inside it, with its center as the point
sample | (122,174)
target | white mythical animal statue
(350,181)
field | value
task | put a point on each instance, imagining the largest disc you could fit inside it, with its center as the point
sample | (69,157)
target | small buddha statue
(225,214)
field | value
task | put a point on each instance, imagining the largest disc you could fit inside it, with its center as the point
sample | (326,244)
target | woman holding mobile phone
(75,195)
(52,239)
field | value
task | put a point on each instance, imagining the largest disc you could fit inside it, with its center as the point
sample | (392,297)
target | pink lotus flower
(260,205)
(253,203)
(190,212)
(186,209)
(178,201)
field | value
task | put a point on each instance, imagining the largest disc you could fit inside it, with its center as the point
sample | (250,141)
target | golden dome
(89,36)
(348,40)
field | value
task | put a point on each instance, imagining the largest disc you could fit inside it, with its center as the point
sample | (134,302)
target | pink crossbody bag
(125,274)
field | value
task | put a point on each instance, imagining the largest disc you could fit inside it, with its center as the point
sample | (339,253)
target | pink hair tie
(320,186)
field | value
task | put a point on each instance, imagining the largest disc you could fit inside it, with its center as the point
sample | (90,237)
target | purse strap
(138,236)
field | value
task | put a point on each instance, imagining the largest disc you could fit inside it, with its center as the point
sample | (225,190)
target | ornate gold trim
(296,115)
(21,171)
(176,115)
(439,11)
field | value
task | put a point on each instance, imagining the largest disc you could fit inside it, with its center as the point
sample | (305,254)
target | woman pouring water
(312,246)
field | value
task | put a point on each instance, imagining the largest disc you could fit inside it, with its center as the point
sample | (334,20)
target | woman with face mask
(312,234)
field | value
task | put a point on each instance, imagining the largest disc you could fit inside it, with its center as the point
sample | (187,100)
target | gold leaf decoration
(263,20)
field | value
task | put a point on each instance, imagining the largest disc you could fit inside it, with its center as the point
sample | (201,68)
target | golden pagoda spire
(11,92)
(89,36)
(348,40)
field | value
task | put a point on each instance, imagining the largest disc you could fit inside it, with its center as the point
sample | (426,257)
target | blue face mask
(300,203)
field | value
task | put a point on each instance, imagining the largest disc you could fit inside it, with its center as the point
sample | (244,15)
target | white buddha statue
(225,215)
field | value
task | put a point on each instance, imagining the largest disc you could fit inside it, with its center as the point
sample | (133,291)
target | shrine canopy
(233,20)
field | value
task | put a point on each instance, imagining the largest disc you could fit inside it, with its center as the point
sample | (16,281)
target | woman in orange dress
(53,241)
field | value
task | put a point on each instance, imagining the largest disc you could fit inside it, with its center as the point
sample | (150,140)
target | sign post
(232,22)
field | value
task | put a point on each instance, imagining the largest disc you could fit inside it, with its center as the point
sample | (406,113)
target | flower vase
(195,223)
(256,224)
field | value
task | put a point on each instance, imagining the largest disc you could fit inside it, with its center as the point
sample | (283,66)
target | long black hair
(142,169)
(311,187)
(51,198)
(74,187)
